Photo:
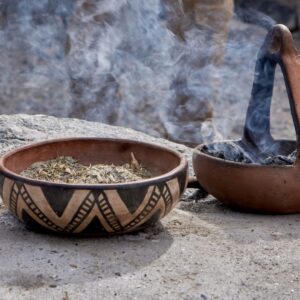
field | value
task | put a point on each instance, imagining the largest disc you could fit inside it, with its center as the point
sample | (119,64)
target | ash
(231,151)
(228,151)
(281,159)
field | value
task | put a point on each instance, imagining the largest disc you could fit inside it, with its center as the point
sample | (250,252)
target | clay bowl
(272,189)
(269,189)
(98,209)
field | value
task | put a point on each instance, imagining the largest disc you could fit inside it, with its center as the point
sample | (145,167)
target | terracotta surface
(93,209)
(267,189)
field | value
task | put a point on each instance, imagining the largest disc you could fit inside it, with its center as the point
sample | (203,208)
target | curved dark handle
(278,48)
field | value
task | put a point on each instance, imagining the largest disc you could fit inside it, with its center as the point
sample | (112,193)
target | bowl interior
(239,151)
(93,151)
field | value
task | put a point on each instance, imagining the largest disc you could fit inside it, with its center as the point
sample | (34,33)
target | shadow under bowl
(96,209)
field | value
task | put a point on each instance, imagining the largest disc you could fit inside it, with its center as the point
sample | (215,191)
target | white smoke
(120,62)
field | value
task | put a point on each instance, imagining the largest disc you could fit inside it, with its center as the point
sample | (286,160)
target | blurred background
(178,69)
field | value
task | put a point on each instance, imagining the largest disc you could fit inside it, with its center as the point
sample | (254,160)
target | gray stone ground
(201,250)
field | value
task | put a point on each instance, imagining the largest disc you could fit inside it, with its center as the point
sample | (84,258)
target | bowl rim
(183,165)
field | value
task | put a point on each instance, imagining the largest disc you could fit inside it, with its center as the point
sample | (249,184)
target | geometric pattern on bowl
(91,211)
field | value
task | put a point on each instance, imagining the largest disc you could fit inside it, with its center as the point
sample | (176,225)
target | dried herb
(66,169)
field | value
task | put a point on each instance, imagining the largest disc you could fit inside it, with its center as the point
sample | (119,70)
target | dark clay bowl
(99,209)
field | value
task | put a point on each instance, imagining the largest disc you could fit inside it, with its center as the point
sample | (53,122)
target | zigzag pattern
(167,198)
(92,199)
(108,213)
(83,211)
(14,194)
(154,198)
(36,211)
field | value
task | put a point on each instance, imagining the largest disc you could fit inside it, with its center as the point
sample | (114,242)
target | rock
(21,129)
(167,78)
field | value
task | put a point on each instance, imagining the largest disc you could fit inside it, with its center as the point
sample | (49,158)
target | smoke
(177,69)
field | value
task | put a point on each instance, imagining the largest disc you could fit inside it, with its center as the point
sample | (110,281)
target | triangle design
(94,228)
(31,224)
(53,194)
(133,198)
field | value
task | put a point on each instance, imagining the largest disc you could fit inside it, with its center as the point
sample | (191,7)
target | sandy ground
(200,251)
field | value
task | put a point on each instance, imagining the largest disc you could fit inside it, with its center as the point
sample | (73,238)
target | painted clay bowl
(97,209)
